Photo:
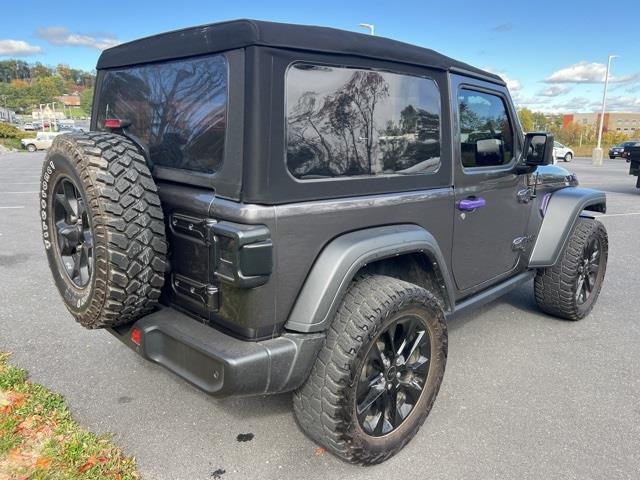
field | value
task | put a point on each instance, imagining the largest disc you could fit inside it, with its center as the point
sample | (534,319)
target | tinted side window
(486,136)
(351,122)
(177,108)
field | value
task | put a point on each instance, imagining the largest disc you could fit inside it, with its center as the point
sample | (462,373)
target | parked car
(632,155)
(28,126)
(617,150)
(42,141)
(562,152)
(322,214)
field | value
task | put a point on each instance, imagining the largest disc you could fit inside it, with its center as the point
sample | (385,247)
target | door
(492,199)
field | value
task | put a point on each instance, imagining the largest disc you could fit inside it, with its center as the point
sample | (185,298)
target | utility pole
(53,119)
(42,117)
(597,152)
(369,27)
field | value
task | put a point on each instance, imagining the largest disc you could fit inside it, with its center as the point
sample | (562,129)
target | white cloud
(532,101)
(17,48)
(585,72)
(514,86)
(554,91)
(504,27)
(62,36)
(623,104)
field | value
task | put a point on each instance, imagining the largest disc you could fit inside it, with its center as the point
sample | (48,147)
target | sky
(552,54)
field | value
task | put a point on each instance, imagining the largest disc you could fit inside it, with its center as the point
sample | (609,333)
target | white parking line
(19,183)
(17,206)
(4,193)
(620,214)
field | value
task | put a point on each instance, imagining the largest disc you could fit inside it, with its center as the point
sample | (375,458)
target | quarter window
(177,108)
(351,122)
(486,136)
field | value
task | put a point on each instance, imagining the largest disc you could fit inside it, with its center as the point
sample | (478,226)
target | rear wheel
(570,288)
(378,375)
(31,147)
(568,157)
(103,228)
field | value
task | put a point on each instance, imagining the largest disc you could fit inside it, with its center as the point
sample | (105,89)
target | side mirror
(538,149)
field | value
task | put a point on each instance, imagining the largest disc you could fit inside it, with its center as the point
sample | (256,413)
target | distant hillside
(24,86)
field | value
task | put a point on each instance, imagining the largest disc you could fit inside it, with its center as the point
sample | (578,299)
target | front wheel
(31,148)
(571,287)
(379,372)
(568,157)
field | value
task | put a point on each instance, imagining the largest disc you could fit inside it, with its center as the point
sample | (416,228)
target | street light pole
(369,27)
(597,152)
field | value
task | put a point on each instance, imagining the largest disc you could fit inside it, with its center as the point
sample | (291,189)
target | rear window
(177,108)
(348,122)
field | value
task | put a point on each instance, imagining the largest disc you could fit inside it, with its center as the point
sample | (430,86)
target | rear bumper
(217,363)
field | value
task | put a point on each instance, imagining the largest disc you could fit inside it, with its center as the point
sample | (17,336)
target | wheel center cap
(391,373)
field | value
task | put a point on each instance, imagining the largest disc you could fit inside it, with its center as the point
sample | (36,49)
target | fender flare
(563,208)
(344,256)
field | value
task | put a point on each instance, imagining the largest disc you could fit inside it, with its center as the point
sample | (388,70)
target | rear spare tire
(103,228)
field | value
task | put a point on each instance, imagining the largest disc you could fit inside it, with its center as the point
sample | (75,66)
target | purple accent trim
(470,204)
(545,203)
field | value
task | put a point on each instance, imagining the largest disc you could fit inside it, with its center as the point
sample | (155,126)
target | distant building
(7,115)
(69,100)
(625,122)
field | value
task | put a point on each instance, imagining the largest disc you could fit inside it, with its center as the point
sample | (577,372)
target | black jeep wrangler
(263,208)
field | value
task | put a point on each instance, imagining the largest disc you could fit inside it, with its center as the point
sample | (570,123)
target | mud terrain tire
(558,288)
(103,228)
(327,406)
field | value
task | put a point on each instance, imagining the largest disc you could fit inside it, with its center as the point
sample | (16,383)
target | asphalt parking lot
(524,396)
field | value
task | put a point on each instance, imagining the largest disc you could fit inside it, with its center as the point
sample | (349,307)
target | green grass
(11,142)
(39,439)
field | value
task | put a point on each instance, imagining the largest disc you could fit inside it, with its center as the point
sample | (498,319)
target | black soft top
(219,37)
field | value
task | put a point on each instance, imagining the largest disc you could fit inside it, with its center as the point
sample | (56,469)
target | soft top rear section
(219,37)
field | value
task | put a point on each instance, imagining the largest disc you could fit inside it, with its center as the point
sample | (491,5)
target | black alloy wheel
(393,376)
(74,237)
(588,269)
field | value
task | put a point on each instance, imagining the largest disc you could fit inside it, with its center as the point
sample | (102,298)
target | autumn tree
(526,119)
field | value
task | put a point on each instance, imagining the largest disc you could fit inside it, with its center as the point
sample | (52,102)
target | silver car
(42,141)
(562,152)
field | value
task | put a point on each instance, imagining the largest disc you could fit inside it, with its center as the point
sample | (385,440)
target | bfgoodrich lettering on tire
(102,228)
(378,374)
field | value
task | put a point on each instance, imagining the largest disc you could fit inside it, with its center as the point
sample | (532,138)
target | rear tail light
(116,123)
(136,336)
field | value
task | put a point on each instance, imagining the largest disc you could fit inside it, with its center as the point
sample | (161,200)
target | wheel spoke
(379,354)
(391,411)
(71,197)
(393,375)
(82,209)
(419,337)
(391,337)
(419,364)
(579,289)
(371,424)
(373,394)
(62,199)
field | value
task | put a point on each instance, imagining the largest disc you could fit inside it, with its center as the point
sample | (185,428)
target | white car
(562,152)
(42,141)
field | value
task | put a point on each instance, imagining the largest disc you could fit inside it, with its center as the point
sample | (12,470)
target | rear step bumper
(217,363)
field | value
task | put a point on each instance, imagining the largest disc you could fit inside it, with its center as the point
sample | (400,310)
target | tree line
(24,86)
(572,134)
